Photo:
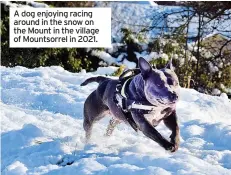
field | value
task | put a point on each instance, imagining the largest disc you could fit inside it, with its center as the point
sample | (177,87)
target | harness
(126,104)
(121,97)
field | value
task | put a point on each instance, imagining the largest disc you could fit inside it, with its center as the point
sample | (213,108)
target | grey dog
(158,88)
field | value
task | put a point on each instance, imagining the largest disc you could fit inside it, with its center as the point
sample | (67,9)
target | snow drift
(41,118)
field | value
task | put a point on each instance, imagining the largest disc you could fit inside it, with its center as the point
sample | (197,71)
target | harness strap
(124,86)
(140,106)
(127,104)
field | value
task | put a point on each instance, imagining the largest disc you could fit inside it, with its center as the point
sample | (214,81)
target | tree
(72,59)
(210,17)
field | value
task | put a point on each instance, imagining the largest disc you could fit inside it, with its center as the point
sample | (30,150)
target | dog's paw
(176,141)
(169,146)
(174,148)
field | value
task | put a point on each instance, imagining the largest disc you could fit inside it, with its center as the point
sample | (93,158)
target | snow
(104,56)
(139,15)
(216,91)
(224,95)
(37,4)
(17,168)
(42,115)
(152,3)
(41,133)
(106,70)
(212,68)
(148,56)
(129,64)
(29,4)
(109,60)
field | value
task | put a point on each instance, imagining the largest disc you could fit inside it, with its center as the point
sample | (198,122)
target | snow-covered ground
(41,131)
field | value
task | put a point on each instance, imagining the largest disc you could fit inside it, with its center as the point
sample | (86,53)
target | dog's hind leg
(111,126)
(94,110)
(87,126)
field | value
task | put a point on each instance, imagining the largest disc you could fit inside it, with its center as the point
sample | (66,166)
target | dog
(158,88)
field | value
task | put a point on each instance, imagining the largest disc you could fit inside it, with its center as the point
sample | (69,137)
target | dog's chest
(158,114)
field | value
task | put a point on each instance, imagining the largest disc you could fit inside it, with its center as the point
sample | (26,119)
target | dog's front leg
(149,131)
(171,123)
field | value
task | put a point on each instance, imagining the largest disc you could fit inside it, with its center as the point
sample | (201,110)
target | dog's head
(161,87)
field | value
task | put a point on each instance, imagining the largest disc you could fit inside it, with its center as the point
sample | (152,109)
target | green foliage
(159,63)
(76,59)
(132,46)
(227,76)
(154,46)
(168,48)
(119,71)
(72,59)
(127,35)
(184,62)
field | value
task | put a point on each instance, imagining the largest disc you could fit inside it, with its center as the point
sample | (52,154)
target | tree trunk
(198,50)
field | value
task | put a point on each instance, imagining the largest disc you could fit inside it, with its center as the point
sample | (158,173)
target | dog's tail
(98,79)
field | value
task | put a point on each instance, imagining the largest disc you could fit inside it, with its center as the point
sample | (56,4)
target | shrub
(71,59)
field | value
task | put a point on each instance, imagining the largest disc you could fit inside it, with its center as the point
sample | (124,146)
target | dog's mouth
(156,100)
(161,102)
(165,103)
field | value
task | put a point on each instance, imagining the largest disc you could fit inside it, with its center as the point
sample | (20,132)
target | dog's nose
(173,96)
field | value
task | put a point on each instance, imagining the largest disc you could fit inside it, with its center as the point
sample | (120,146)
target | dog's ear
(169,65)
(145,67)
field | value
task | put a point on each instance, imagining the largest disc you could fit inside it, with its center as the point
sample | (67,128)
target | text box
(60,27)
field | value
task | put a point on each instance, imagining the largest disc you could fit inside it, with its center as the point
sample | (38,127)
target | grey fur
(151,86)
